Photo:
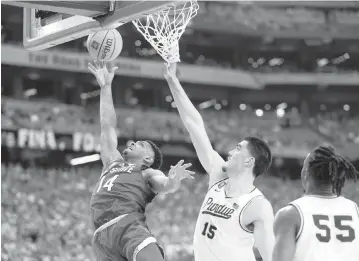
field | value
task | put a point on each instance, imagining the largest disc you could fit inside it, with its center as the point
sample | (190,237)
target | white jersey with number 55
(329,229)
(219,234)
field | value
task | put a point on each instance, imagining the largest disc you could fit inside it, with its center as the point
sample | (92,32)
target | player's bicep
(157,180)
(109,152)
(263,217)
(285,234)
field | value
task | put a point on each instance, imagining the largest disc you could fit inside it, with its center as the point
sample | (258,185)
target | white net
(164,28)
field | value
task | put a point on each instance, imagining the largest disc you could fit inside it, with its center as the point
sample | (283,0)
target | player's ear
(250,161)
(148,160)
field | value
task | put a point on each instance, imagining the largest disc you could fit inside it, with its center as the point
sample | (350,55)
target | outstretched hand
(170,70)
(180,171)
(103,76)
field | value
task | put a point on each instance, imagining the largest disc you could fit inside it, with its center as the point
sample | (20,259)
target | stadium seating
(166,126)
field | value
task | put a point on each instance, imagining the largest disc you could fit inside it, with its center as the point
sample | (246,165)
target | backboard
(50,23)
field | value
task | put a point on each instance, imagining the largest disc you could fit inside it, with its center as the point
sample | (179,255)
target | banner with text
(77,62)
(89,142)
(48,140)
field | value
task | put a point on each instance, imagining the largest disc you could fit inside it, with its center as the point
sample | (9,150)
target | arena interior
(286,73)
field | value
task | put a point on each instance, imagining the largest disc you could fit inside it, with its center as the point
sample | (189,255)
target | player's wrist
(174,179)
(171,78)
(105,86)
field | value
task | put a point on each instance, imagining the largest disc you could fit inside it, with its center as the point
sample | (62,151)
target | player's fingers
(185,166)
(97,63)
(113,70)
(180,163)
(189,177)
(91,67)
(93,71)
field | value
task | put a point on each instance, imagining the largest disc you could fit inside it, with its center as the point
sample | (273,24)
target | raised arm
(109,152)
(193,122)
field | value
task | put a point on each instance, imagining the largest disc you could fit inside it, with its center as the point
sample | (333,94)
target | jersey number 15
(321,222)
(209,230)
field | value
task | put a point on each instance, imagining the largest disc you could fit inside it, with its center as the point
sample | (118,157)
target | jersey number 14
(109,183)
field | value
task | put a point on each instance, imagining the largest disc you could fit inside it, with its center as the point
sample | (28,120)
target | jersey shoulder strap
(113,164)
(296,204)
(248,199)
(219,184)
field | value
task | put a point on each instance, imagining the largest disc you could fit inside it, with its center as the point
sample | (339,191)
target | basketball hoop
(164,28)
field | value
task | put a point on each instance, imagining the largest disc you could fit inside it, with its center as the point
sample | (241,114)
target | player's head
(145,151)
(326,169)
(252,154)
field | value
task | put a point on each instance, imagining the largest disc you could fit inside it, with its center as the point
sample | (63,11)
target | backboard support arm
(38,37)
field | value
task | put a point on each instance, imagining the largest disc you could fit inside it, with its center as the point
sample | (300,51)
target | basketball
(105,45)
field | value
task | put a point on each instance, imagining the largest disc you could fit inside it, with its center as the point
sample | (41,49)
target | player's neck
(324,191)
(239,185)
(134,161)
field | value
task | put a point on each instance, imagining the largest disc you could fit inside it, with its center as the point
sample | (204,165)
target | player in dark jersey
(127,184)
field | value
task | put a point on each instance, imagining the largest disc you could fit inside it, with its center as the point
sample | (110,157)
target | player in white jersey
(322,225)
(234,215)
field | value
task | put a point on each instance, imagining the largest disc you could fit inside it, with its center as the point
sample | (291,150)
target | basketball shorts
(122,238)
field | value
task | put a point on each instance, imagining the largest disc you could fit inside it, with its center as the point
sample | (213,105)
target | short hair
(326,166)
(158,159)
(262,154)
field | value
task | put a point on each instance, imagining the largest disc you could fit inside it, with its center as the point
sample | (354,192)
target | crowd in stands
(224,128)
(233,16)
(45,213)
(341,129)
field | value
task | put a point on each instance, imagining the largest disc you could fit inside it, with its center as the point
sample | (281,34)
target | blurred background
(286,72)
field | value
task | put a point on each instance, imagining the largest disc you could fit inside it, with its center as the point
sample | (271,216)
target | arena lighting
(33,76)
(30,92)
(259,112)
(88,95)
(168,98)
(218,106)
(276,62)
(138,43)
(260,61)
(207,104)
(85,159)
(341,58)
(224,102)
(280,113)
(322,62)
(283,106)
